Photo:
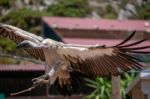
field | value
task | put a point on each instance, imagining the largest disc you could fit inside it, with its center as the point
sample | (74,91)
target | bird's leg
(49,77)
(40,77)
(41,80)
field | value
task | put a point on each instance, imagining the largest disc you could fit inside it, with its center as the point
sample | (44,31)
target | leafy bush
(24,18)
(72,8)
(5,3)
(5,60)
(143,11)
(7,45)
(110,13)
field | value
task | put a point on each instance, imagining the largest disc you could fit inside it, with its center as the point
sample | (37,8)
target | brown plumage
(68,63)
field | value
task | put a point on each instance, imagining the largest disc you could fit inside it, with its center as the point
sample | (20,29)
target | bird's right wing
(18,35)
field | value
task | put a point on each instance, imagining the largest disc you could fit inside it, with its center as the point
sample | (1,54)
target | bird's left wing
(18,35)
(101,60)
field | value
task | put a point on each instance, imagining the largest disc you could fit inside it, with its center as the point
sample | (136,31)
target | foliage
(5,3)
(7,45)
(143,11)
(72,8)
(123,3)
(126,80)
(4,60)
(109,13)
(24,18)
(103,86)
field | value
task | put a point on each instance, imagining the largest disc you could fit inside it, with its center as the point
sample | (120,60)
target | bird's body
(66,64)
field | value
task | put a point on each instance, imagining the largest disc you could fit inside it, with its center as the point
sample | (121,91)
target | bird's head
(27,44)
(46,43)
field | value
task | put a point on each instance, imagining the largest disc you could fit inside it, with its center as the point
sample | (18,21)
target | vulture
(67,64)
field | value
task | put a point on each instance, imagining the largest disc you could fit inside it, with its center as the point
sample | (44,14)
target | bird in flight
(67,64)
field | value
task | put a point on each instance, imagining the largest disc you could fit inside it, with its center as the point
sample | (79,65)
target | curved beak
(29,44)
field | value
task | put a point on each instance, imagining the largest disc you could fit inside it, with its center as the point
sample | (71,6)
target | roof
(90,41)
(143,75)
(107,42)
(24,68)
(99,24)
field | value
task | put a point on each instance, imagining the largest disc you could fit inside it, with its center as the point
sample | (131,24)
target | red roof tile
(24,68)
(101,24)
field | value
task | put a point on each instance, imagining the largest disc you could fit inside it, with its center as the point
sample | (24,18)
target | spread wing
(101,60)
(19,35)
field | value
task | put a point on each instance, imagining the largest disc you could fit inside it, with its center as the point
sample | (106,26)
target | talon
(40,77)
(39,80)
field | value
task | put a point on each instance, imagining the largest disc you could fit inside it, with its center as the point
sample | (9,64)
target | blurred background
(69,21)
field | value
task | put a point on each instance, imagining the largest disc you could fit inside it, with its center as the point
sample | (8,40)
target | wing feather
(102,60)
(18,35)
(112,69)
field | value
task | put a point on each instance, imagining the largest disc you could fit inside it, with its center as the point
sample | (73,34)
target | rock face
(34,4)
(141,2)
(131,8)
(128,12)
(123,12)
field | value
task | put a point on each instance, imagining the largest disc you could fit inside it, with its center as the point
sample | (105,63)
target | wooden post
(116,92)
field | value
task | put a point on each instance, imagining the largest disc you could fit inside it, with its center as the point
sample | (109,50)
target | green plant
(110,13)
(7,45)
(24,18)
(103,87)
(5,60)
(127,78)
(123,3)
(143,11)
(72,8)
(5,3)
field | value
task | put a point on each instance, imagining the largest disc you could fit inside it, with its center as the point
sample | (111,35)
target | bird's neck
(50,56)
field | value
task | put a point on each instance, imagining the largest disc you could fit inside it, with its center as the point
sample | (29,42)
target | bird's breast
(51,57)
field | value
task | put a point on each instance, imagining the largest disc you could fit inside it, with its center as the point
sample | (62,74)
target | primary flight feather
(67,63)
